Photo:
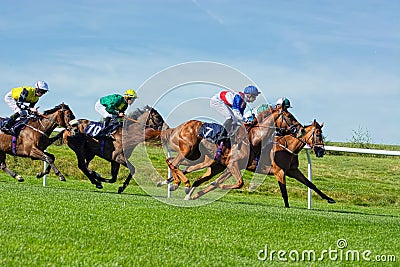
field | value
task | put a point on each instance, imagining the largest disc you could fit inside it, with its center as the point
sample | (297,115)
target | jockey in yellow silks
(22,100)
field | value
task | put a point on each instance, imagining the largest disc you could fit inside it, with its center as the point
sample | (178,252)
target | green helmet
(286,103)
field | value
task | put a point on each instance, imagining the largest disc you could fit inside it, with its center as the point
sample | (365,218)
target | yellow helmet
(130,93)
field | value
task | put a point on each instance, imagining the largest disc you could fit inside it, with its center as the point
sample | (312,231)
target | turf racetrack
(73,224)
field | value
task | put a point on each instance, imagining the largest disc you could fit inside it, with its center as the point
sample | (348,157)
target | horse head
(314,138)
(149,117)
(284,121)
(154,119)
(61,114)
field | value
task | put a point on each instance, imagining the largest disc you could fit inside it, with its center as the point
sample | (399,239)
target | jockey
(251,115)
(284,102)
(22,100)
(113,106)
(232,105)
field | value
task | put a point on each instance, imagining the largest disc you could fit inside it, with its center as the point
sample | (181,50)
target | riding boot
(10,123)
(228,126)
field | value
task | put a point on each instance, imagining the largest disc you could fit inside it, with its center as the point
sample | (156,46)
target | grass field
(73,224)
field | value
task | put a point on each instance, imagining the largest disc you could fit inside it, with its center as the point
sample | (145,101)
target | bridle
(313,142)
(62,119)
(151,118)
(292,128)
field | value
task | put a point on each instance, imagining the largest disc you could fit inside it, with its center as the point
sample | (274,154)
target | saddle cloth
(14,129)
(94,127)
(213,132)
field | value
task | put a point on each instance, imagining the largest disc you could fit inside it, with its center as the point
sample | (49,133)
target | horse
(145,124)
(284,162)
(34,138)
(198,153)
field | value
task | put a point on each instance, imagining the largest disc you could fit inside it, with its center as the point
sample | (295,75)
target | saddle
(15,128)
(217,134)
(213,132)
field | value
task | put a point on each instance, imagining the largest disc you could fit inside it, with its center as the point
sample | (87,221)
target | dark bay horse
(284,162)
(145,124)
(34,138)
(196,152)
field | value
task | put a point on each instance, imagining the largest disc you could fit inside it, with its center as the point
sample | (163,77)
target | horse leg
(88,156)
(224,176)
(47,157)
(213,170)
(82,165)
(232,170)
(177,174)
(280,176)
(204,191)
(45,172)
(55,138)
(3,166)
(298,175)
(128,179)
(206,163)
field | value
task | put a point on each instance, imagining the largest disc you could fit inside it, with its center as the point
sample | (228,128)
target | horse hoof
(99,186)
(187,190)
(160,183)
(19,178)
(173,188)
(62,179)
(188,198)
(120,190)
(331,201)
(39,175)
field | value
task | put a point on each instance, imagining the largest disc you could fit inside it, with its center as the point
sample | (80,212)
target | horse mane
(50,111)
(139,111)
(265,113)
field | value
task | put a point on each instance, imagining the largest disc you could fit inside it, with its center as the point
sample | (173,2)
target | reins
(154,126)
(38,114)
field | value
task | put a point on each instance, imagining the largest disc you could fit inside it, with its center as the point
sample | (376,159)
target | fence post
(45,164)
(309,171)
(169,177)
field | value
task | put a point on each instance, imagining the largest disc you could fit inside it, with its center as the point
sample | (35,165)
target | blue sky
(337,61)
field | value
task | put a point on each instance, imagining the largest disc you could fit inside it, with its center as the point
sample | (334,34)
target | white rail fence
(309,165)
(344,149)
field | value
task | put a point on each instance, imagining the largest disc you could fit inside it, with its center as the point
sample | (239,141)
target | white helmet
(284,102)
(42,85)
(280,101)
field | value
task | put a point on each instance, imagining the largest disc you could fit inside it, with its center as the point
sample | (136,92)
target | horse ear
(322,124)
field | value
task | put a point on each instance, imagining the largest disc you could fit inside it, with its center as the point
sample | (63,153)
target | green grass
(73,224)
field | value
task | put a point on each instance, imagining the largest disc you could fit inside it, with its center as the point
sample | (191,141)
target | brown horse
(284,163)
(198,153)
(145,124)
(34,138)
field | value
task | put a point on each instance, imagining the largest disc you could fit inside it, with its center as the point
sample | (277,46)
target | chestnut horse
(285,162)
(34,138)
(147,124)
(196,152)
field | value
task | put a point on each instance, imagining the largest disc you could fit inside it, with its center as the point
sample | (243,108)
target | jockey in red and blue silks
(231,105)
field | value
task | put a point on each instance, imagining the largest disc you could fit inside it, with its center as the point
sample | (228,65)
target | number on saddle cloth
(94,128)
(213,132)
